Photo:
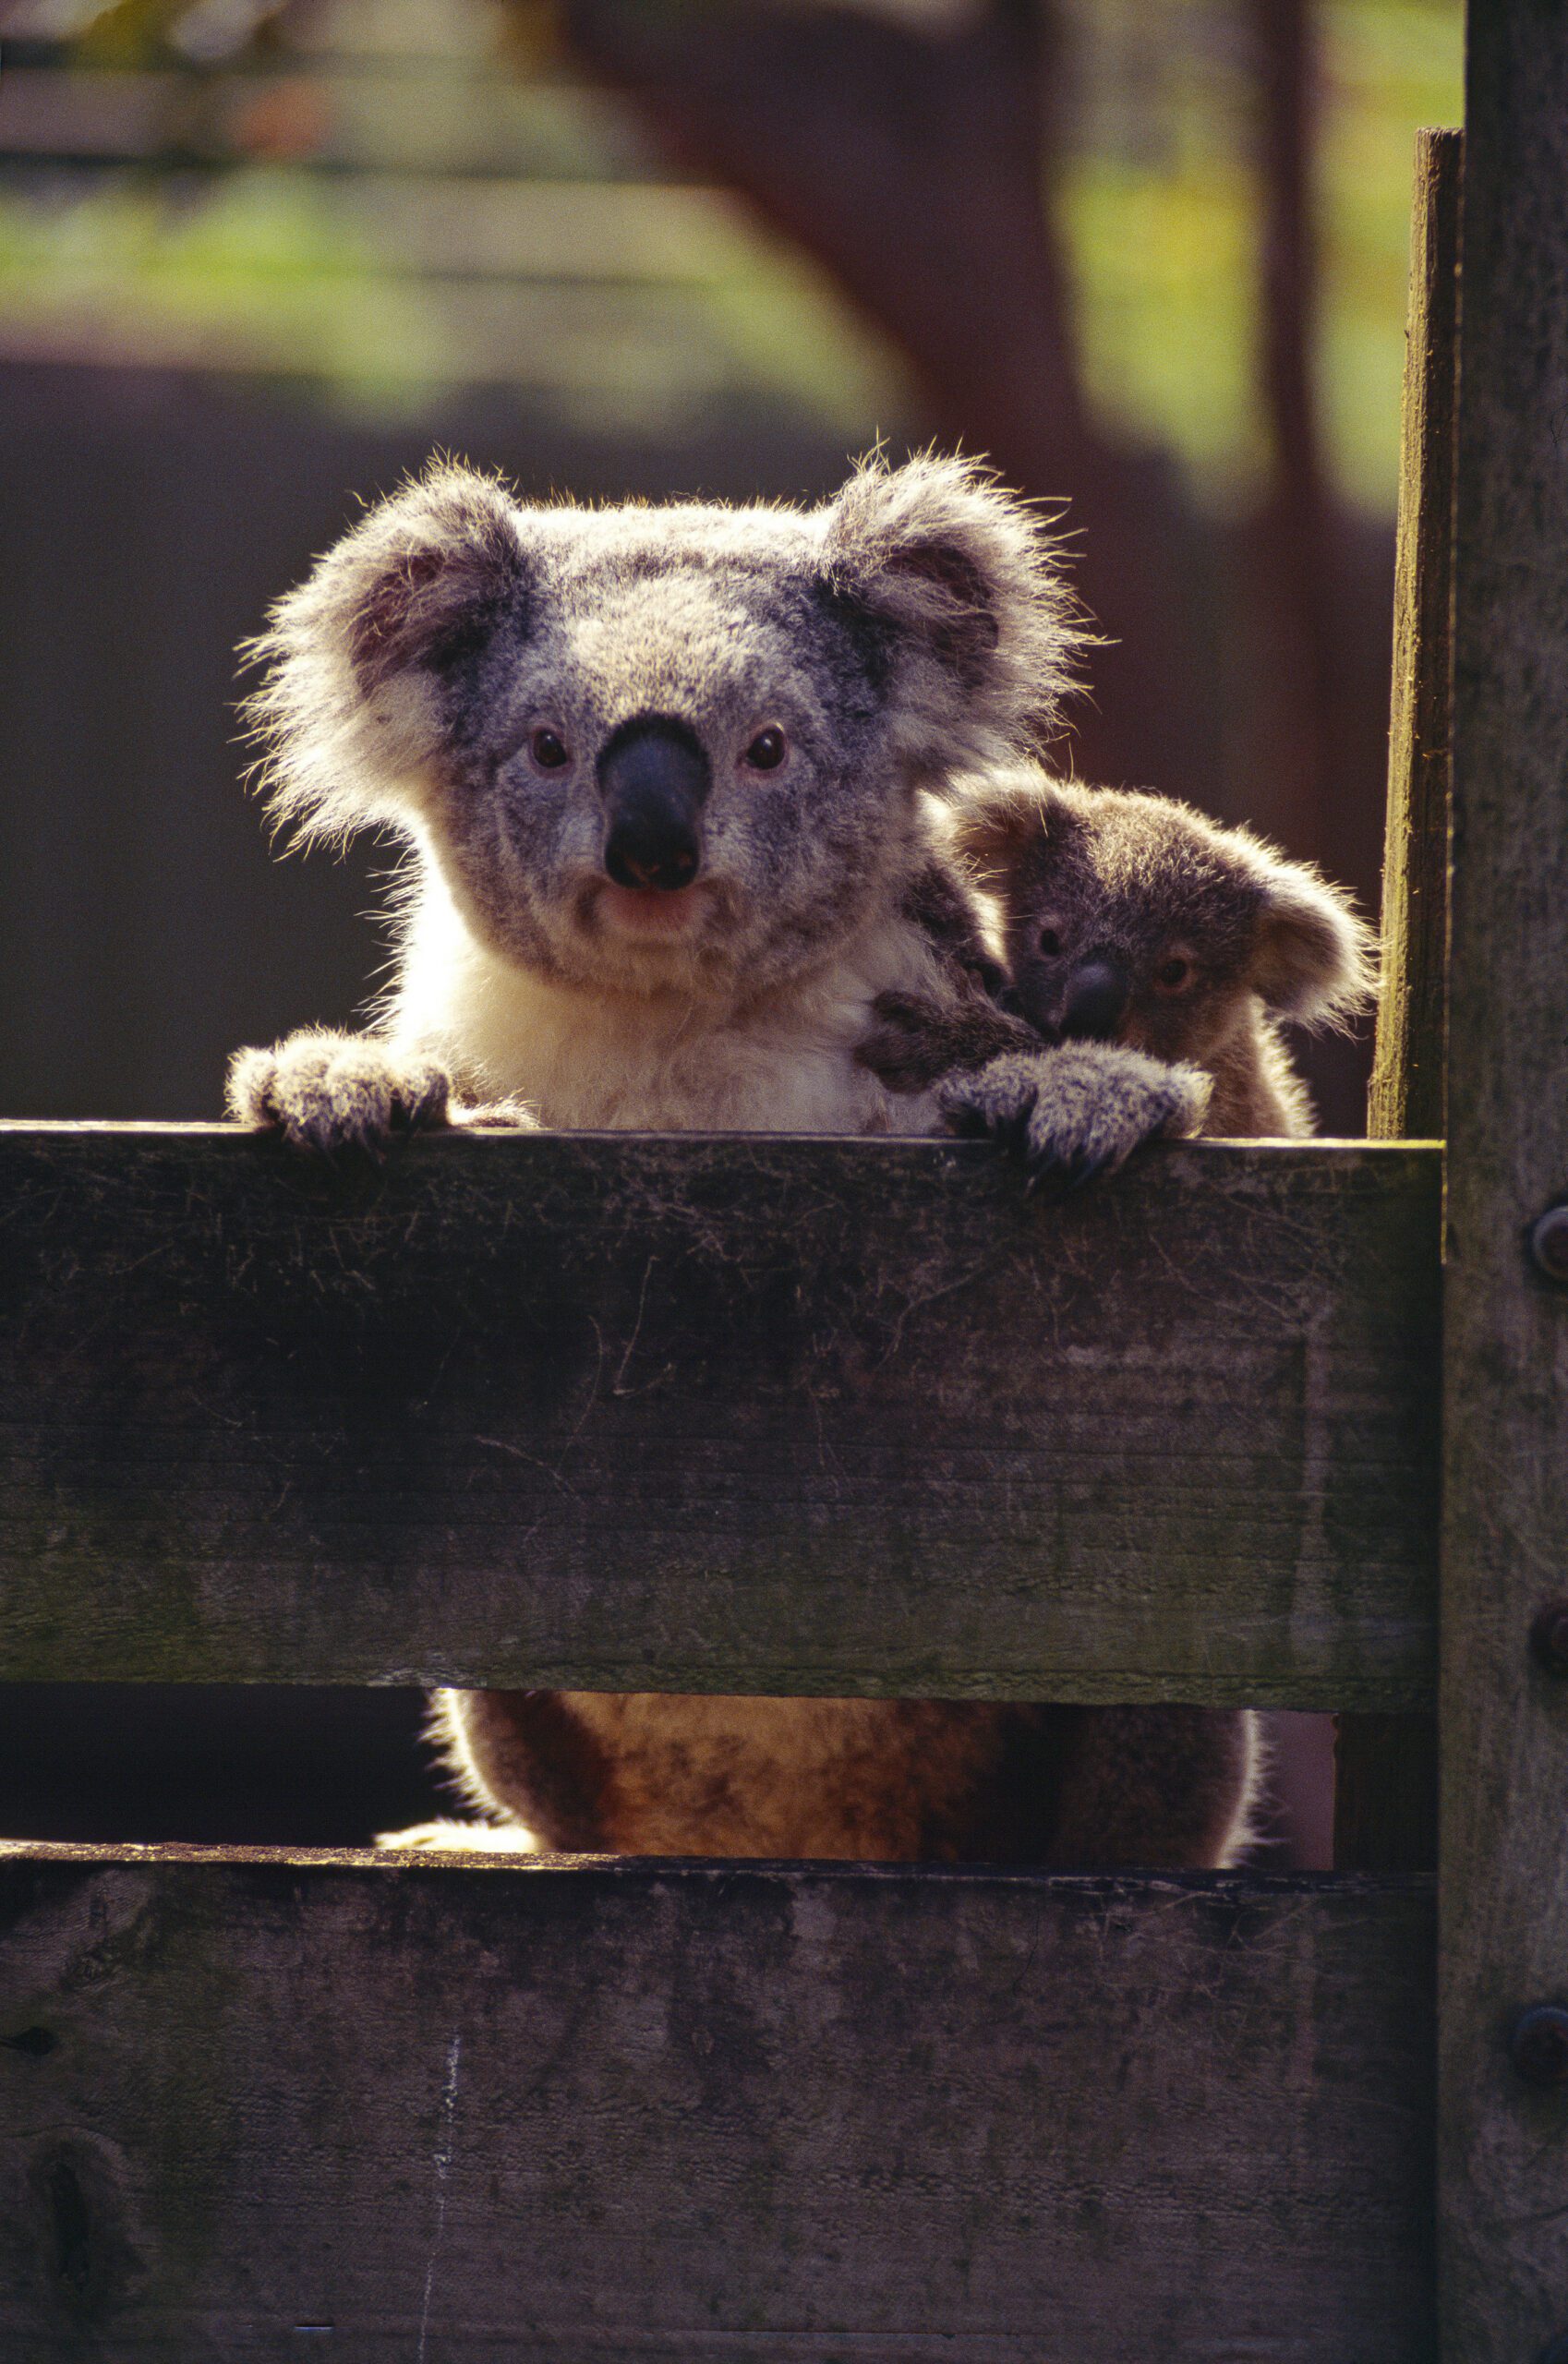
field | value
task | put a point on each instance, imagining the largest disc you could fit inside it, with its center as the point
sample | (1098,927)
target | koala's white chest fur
(591,1061)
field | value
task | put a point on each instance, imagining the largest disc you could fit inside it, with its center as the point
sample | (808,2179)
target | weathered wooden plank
(1385,1801)
(1406,1095)
(1504,1719)
(649,2111)
(746,1415)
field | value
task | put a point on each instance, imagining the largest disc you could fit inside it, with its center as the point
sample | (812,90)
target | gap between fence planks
(1386,1772)
(634,2111)
(720,1415)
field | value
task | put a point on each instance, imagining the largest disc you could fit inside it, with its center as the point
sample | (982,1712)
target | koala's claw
(330,1093)
(964,1122)
(1074,1111)
(1061,1178)
(1089,1170)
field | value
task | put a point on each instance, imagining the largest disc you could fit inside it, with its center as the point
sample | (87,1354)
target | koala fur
(1130,918)
(668,778)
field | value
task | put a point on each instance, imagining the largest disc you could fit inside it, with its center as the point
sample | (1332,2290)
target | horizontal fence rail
(649,2111)
(699,1414)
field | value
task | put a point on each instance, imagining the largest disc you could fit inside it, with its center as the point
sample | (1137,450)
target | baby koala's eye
(766,750)
(548,750)
(1175,976)
(1049,943)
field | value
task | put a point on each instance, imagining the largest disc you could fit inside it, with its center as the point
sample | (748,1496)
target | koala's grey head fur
(505,685)
(1131,917)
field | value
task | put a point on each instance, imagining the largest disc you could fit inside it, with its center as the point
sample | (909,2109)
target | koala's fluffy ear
(434,570)
(994,823)
(350,712)
(960,579)
(1314,960)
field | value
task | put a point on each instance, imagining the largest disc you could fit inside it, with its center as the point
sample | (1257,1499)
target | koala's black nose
(654,778)
(1096,1002)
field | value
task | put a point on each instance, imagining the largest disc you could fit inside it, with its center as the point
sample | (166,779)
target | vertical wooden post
(1385,1767)
(1406,1098)
(1503,2101)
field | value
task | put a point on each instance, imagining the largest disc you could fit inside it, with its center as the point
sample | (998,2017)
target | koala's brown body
(1128,918)
(877,1779)
(668,778)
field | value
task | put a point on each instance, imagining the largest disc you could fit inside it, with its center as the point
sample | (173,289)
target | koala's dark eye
(1175,976)
(1049,943)
(547,751)
(768,750)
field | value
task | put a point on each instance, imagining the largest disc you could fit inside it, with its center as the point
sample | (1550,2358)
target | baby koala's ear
(1315,961)
(994,823)
(962,580)
(350,710)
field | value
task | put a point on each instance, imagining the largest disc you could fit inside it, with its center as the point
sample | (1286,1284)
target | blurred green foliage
(235,239)
(1159,200)
(266,268)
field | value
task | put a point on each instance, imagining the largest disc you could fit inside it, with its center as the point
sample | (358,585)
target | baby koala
(1129,918)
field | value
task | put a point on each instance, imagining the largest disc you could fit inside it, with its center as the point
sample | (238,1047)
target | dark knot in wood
(36,2042)
(1548,1243)
(1539,2046)
(1549,1644)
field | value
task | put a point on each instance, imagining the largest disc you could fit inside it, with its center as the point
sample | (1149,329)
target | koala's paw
(337,1091)
(1075,1110)
(461,1839)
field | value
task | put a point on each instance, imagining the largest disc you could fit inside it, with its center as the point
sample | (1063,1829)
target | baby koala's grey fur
(1204,938)
(808,687)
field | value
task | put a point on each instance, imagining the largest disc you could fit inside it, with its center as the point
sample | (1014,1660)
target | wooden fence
(849,1416)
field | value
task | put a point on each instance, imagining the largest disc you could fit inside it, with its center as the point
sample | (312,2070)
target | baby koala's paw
(337,1091)
(1076,1109)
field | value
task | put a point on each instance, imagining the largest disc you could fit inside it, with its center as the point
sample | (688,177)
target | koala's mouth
(650,914)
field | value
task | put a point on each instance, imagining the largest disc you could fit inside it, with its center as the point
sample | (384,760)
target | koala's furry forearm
(920,1037)
(918,1040)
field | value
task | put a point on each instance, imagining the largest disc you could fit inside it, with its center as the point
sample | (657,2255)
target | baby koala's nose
(1096,1002)
(654,778)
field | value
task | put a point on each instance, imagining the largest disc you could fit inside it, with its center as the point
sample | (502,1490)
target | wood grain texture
(1504,1725)
(810,1416)
(618,2111)
(1386,1766)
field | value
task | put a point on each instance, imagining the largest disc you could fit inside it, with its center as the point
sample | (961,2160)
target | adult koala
(662,772)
